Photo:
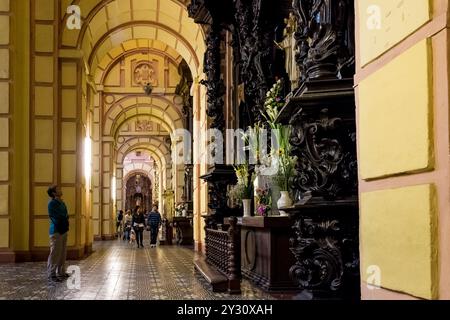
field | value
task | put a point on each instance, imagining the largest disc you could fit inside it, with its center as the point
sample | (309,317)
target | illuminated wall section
(58,129)
(96,174)
(44,132)
(403,141)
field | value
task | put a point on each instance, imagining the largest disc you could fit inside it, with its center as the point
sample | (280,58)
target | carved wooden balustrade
(217,249)
(221,264)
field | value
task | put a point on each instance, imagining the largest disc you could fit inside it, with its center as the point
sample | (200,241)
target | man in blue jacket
(154,220)
(59,227)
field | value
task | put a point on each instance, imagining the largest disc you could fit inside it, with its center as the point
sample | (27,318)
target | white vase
(247,207)
(285,201)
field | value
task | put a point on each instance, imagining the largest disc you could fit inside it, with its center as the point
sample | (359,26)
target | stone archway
(138,192)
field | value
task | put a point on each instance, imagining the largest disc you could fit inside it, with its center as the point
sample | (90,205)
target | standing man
(154,220)
(119,224)
(59,226)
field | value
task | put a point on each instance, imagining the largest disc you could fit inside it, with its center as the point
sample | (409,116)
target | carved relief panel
(144,72)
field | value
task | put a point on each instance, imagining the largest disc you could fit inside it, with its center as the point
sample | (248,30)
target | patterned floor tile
(119,272)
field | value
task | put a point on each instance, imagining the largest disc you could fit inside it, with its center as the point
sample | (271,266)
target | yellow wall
(403,143)
(402,107)
(19,204)
(5,111)
(30,92)
(399,235)
(398,19)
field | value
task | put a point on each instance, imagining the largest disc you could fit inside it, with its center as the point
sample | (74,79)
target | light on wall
(113,189)
(87,159)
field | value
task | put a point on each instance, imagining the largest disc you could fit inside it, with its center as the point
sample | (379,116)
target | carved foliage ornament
(325,147)
(254,33)
(325,38)
(214,84)
(316,249)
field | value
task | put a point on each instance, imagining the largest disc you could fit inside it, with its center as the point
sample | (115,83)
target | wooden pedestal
(265,254)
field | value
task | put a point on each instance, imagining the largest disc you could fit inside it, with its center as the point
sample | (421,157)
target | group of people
(134,224)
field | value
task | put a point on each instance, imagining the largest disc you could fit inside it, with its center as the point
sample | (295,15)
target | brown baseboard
(105,237)
(88,249)
(42,255)
(72,254)
(14,256)
(108,237)
(198,246)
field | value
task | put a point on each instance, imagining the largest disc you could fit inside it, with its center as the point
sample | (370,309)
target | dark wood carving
(213,82)
(266,257)
(219,179)
(254,34)
(325,242)
(325,246)
(324,139)
(234,256)
(322,114)
(184,230)
(325,38)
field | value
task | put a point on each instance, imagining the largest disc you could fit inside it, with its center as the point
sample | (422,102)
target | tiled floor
(119,271)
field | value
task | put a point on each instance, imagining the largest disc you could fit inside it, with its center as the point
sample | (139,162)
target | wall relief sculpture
(145,72)
(143,126)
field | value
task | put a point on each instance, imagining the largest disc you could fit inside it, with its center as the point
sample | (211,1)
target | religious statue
(289,46)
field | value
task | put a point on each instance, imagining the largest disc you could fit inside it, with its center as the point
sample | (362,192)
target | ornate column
(322,113)
(325,38)
(214,83)
(213,15)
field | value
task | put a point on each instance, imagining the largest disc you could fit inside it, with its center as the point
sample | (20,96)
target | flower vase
(285,201)
(247,207)
(184,213)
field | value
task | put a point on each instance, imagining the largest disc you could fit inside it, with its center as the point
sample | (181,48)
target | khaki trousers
(57,258)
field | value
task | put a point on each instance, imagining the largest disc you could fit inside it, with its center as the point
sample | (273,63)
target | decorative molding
(325,146)
(254,36)
(144,72)
(214,83)
(143,125)
(325,38)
